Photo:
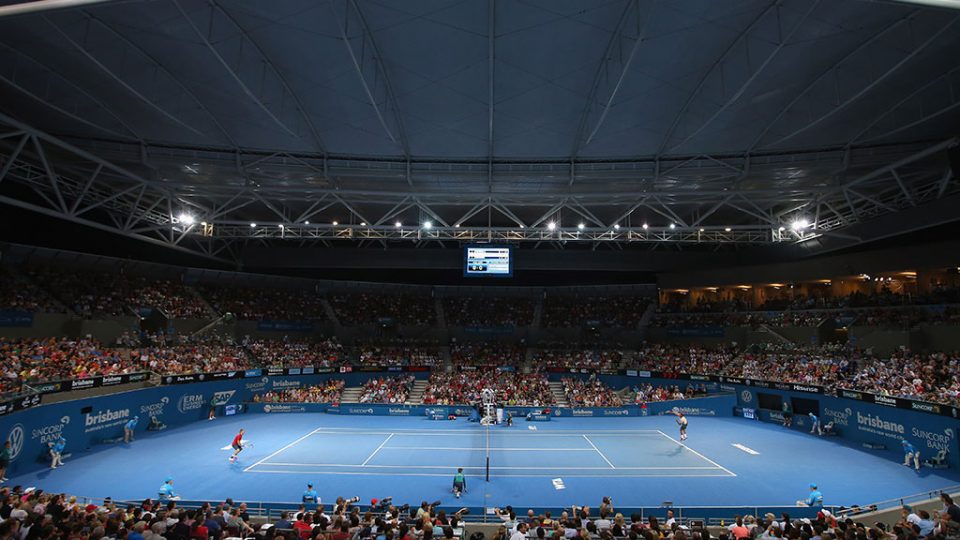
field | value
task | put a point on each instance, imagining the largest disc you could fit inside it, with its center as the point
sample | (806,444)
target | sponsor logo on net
(190,402)
(105,418)
(839,417)
(872,423)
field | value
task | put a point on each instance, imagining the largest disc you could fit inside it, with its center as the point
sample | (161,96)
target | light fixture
(728,229)
(335,223)
(281,225)
(427,224)
(203,223)
(673,225)
(781,229)
(799,224)
(185,218)
(457,225)
(581,226)
(363,223)
(551,226)
(306,222)
(397,224)
(645,226)
(701,229)
(616,226)
(252,225)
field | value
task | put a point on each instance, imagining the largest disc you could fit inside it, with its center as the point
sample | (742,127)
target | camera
(385,502)
(463,511)
(435,504)
(404,508)
(352,500)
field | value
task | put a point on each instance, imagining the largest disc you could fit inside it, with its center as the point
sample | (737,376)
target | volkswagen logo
(746,396)
(16,441)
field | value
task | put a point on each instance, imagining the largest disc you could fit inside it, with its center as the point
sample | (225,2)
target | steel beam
(377,82)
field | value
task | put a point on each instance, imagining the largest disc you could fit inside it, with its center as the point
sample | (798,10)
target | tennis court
(517,452)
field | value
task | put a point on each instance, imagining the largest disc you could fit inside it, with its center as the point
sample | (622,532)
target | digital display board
(487,261)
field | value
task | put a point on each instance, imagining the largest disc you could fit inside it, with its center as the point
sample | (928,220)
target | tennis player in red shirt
(237,445)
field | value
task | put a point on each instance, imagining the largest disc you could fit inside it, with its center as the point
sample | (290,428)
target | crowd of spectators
(34,360)
(487,353)
(589,393)
(566,311)
(391,390)
(296,352)
(264,303)
(488,311)
(329,391)
(371,308)
(400,352)
(175,354)
(22,295)
(101,294)
(589,358)
(464,387)
(646,393)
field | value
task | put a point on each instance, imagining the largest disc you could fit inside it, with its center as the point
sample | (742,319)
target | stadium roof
(692,122)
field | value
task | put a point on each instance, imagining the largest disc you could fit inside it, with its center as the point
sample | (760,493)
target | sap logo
(875,422)
(839,417)
(221,398)
(190,402)
(935,440)
(746,396)
(15,438)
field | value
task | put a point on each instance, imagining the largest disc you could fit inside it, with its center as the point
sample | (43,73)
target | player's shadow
(676,451)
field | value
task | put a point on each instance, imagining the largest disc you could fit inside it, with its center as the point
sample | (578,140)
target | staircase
(351,394)
(558,396)
(776,335)
(196,294)
(328,309)
(416,393)
(537,314)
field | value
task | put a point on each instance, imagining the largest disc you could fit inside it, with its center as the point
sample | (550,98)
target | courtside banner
(54,387)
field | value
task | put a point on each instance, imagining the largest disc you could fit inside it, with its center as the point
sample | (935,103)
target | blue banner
(16,318)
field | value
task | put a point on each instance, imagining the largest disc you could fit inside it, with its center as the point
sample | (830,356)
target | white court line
(495,434)
(492,448)
(280,450)
(480,475)
(409,431)
(558,468)
(599,452)
(377,450)
(731,473)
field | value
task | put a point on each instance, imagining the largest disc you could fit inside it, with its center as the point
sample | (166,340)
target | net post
(488,468)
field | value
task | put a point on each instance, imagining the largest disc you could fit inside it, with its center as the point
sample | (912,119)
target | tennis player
(459,482)
(682,422)
(237,445)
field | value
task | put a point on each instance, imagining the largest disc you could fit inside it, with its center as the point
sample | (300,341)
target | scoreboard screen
(487,261)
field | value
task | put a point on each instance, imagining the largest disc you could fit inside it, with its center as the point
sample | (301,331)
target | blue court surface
(637,461)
